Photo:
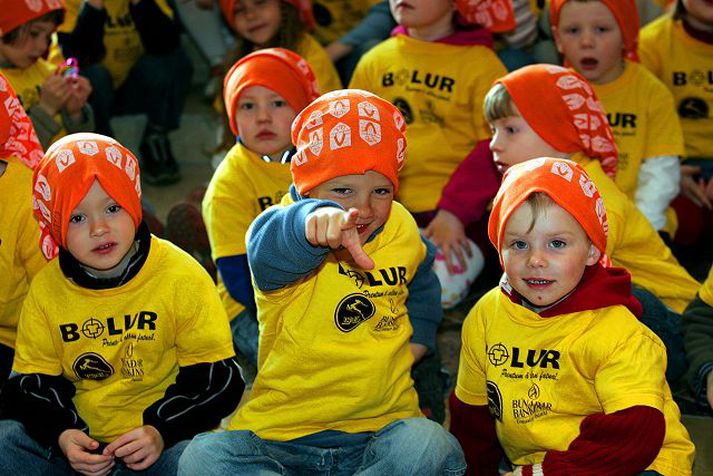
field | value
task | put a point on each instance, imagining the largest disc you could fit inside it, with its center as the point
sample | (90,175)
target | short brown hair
(11,37)
(498,104)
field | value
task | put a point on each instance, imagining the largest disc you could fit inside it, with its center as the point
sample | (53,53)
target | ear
(593,255)
(558,40)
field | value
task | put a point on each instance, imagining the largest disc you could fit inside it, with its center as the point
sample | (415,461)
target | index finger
(359,255)
(119,442)
(350,218)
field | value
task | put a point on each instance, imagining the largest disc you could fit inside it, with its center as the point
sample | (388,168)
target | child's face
(420,13)
(371,193)
(701,10)
(264,119)
(257,20)
(100,232)
(514,141)
(590,39)
(546,262)
(30,45)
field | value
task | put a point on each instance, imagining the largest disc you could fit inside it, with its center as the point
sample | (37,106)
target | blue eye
(519,245)
(558,244)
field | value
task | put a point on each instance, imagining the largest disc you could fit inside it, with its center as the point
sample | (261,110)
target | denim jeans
(414,446)
(20,454)
(245,334)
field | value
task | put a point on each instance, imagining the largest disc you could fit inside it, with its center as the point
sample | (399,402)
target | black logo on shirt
(495,400)
(352,311)
(498,354)
(94,328)
(693,108)
(695,77)
(92,366)
(405,109)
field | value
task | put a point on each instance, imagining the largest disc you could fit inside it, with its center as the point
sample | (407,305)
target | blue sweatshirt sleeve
(278,252)
(424,300)
(235,273)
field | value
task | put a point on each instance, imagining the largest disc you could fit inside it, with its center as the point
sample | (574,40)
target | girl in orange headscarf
(20,257)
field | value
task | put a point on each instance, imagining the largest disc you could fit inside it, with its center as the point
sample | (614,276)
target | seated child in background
(678,49)
(56,104)
(542,374)
(123,348)
(263,93)
(20,257)
(441,100)
(342,278)
(599,40)
(547,110)
(697,324)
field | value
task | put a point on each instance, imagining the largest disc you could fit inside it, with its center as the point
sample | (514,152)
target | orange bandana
(347,132)
(17,135)
(15,13)
(66,173)
(495,15)
(626,14)
(565,182)
(278,69)
(561,106)
(304,7)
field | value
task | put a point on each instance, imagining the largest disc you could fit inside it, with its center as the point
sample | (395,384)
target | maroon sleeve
(622,443)
(474,429)
(472,186)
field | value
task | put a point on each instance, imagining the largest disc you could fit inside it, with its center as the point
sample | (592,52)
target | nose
(495,143)
(586,39)
(536,259)
(365,207)
(263,114)
(98,227)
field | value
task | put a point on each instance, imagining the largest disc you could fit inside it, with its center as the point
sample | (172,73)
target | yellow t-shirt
(541,377)
(440,92)
(348,331)
(121,347)
(321,65)
(335,18)
(706,291)
(643,118)
(20,255)
(121,38)
(685,66)
(242,187)
(632,243)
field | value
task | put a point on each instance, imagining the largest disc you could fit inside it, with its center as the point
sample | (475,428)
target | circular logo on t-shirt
(405,109)
(92,366)
(495,400)
(693,108)
(498,354)
(352,311)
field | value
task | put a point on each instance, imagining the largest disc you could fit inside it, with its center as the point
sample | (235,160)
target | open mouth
(589,63)
(105,248)
(362,228)
(538,283)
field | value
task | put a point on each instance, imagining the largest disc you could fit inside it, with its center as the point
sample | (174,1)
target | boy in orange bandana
(599,40)
(340,273)
(547,110)
(541,375)
(20,257)
(123,349)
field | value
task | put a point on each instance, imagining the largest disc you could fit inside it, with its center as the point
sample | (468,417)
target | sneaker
(185,229)
(158,165)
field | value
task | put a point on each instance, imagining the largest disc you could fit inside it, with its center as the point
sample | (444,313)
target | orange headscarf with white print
(565,182)
(563,109)
(66,173)
(15,13)
(278,69)
(17,135)
(495,15)
(626,15)
(304,7)
(347,132)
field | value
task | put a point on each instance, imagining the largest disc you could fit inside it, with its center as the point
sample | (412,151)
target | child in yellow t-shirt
(542,375)
(123,349)
(20,257)
(340,273)
(263,93)
(599,40)
(56,102)
(436,69)
(678,49)
(547,110)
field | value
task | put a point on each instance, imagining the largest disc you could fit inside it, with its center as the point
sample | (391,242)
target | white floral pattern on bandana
(18,137)
(495,15)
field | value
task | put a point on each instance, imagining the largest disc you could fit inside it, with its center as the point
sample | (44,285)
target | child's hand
(54,94)
(80,89)
(138,448)
(695,189)
(335,228)
(419,351)
(448,234)
(77,446)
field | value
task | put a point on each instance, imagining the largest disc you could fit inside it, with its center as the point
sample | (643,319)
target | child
(698,336)
(441,100)
(282,23)
(123,348)
(546,110)
(340,273)
(565,394)
(20,257)
(678,49)
(599,40)
(56,104)
(263,93)
(130,50)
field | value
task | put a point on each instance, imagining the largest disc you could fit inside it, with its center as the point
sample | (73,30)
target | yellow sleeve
(470,385)
(649,49)
(323,68)
(664,134)
(35,351)
(706,291)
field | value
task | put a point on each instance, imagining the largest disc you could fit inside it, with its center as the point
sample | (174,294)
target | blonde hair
(539,202)
(498,104)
